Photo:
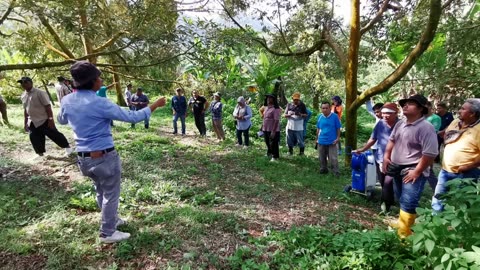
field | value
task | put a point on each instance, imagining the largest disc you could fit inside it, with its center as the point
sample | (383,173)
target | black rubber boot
(302,151)
(290,151)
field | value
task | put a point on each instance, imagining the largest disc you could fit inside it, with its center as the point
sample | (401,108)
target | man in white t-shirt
(295,113)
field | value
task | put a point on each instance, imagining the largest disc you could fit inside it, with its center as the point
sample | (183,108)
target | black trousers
(272,144)
(246,135)
(200,123)
(37,137)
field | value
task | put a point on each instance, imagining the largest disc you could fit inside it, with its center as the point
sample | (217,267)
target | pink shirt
(271,117)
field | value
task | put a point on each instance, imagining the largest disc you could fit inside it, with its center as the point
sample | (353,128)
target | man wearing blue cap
(90,117)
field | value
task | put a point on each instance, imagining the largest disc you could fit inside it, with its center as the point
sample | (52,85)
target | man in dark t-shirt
(199,104)
(447,118)
(179,110)
(140,101)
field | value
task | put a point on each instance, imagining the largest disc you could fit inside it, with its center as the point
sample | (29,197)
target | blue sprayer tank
(364,172)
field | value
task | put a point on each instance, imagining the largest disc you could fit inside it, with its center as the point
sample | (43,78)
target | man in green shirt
(434,119)
(436,122)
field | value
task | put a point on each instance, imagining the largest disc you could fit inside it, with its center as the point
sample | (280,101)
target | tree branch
(57,64)
(447,4)
(110,41)
(50,46)
(315,47)
(375,19)
(11,6)
(140,78)
(56,37)
(337,49)
(422,45)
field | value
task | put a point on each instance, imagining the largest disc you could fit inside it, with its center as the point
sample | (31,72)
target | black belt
(87,154)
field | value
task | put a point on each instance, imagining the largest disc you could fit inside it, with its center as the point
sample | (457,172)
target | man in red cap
(381,135)
(411,150)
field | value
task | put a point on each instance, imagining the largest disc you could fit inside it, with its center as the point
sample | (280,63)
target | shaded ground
(188,200)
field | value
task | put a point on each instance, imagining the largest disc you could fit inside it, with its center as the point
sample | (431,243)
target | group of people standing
(407,148)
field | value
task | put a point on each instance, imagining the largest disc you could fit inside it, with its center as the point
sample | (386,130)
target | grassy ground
(189,202)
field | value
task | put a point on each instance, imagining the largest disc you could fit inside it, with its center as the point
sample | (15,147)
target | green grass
(189,202)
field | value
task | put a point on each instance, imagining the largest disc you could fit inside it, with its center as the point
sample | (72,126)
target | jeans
(443,178)
(200,123)
(37,137)
(432,179)
(295,137)
(246,135)
(106,174)
(330,152)
(146,122)
(408,194)
(272,144)
(182,120)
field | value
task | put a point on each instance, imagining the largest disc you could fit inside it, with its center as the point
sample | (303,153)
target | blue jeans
(408,194)
(106,174)
(443,178)
(182,120)
(295,137)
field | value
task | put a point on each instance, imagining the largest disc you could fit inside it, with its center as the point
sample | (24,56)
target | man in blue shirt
(328,135)
(179,110)
(89,116)
(140,101)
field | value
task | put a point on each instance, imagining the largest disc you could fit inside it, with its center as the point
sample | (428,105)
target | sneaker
(238,145)
(245,147)
(117,236)
(273,159)
(68,151)
(120,222)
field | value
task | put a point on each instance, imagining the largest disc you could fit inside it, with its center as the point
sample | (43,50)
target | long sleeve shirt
(246,112)
(89,116)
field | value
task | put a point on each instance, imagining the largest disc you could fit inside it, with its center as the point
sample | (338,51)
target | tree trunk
(316,101)
(351,82)
(118,89)
(45,84)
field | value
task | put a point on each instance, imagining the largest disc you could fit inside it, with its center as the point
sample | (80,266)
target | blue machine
(364,174)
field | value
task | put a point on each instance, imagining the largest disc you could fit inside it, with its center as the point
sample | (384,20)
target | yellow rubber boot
(405,222)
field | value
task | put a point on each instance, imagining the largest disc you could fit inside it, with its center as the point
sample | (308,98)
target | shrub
(448,240)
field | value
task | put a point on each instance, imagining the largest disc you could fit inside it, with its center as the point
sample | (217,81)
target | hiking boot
(117,236)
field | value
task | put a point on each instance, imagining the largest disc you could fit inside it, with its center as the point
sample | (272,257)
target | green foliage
(317,248)
(451,239)
(447,240)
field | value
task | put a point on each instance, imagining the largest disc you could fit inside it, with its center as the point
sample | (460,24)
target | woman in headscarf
(242,115)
